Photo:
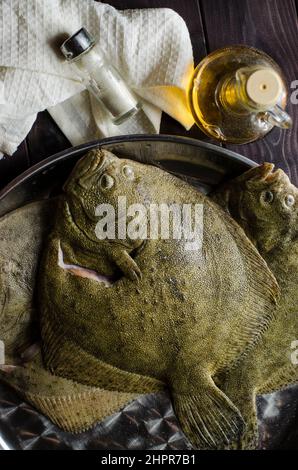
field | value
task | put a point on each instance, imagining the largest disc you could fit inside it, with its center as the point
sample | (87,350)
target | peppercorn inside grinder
(100,77)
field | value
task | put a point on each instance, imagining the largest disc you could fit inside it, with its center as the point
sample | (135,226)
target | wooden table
(270,25)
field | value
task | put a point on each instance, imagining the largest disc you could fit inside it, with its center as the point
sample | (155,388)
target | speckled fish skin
(265,203)
(72,406)
(171,317)
(21,234)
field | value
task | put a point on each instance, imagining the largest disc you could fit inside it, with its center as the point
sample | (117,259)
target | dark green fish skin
(265,204)
(21,235)
(172,317)
(72,406)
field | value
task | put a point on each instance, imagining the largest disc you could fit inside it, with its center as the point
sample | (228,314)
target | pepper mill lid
(264,87)
(77,44)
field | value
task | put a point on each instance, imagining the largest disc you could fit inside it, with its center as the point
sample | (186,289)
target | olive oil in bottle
(238,94)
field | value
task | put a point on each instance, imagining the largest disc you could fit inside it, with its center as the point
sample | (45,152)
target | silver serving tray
(149,422)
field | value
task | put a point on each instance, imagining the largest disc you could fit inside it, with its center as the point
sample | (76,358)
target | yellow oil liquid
(215,105)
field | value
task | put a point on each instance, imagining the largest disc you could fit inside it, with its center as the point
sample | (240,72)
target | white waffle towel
(151,48)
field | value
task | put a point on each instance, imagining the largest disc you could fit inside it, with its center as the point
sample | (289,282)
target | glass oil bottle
(238,94)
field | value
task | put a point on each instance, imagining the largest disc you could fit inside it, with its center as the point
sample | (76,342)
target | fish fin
(282,378)
(258,302)
(71,406)
(127,264)
(64,357)
(238,386)
(250,438)
(208,418)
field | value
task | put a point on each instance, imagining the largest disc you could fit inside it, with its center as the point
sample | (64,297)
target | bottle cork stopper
(264,87)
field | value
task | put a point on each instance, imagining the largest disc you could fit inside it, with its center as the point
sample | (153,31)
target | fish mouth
(271,176)
(265,174)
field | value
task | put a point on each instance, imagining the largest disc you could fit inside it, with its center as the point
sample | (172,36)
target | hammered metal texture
(147,423)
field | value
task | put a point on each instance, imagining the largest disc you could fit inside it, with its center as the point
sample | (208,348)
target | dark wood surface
(270,25)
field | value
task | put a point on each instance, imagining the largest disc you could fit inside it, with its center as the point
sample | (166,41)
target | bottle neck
(250,90)
(232,96)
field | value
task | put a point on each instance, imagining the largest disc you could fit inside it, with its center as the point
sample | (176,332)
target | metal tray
(147,423)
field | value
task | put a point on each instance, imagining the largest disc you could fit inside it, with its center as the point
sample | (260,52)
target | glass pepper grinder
(100,77)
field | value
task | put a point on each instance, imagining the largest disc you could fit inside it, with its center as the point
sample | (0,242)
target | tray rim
(73,150)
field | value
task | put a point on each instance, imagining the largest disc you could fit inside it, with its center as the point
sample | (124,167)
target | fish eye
(267,197)
(106,181)
(128,172)
(289,200)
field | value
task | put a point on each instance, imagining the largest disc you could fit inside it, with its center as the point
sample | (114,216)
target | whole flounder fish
(265,204)
(130,314)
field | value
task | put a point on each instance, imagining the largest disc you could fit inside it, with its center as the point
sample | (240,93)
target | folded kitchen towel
(151,48)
